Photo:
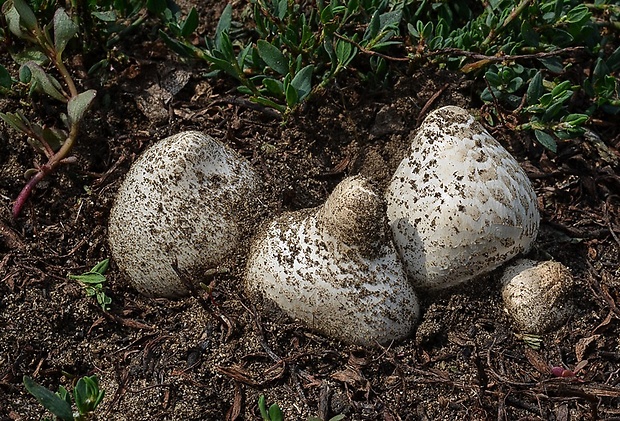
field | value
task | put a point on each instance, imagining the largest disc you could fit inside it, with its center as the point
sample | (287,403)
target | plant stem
(54,161)
(513,15)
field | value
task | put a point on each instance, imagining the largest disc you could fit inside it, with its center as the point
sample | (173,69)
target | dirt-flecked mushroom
(183,201)
(459,204)
(537,295)
(335,268)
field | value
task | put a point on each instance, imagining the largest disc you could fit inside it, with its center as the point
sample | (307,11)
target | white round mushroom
(182,201)
(459,204)
(335,268)
(537,295)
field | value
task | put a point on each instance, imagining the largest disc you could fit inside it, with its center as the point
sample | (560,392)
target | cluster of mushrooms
(458,207)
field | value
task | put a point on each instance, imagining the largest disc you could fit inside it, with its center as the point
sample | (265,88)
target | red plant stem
(45,169)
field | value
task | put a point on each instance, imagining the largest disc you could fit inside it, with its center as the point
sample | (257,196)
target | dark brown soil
(203,359)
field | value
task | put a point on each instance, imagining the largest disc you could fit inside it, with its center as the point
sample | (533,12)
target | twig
(370,52)
(430,102)
(512,16)
(498,58)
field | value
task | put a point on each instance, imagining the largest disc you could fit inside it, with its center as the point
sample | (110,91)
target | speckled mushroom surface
(335,268)
(459,204)
(182,200)
(537,295)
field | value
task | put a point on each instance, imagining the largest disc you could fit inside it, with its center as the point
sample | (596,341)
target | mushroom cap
(537,295)
(459,204)
(182,200)
(334,268)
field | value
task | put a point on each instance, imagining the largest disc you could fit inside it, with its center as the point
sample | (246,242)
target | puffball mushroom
(182,201)
(537,295)
(335,268)
(459,204)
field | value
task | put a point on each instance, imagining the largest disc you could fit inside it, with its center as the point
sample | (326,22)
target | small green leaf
(46,83)
(107,16)
(275,87)
(190,24)
(156,6)
(303,82)
(292,96)
(26,15)
(530,36)
(15,121)
(546,140)
(554,64)
(535,89)
(272,56)
(49,400)
(561,88)
(101,267)
(78,105)
(5,78)
(613,61)
(64,30)
(223,25)
(275,413)
(262,407)
(575,119)
(30,54)
(89,278)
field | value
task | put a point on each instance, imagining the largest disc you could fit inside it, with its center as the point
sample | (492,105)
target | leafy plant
(86,394)
(93,282)
(519,49)
(299,48)
(45,45)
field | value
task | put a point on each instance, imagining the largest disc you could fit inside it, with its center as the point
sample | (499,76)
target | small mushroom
(335,268)
(537,294)
(459,204)
(182,201)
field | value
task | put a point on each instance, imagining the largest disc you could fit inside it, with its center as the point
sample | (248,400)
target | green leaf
(578,14)
(107,16)
(373,27)
(535,89)
(613,61)
(561,88)
(190,24)
(303,82)
(89,278)
(156,6)
(30,54)
(26,15)
(223,25)
(275,413)
(43,81)
(64,30)
(345,52)
(78,105)
(5,78)
(15,121)
(530,36)
(554,64)
(49,400)
(546,140)
(493,78)
(272,56)
(12,19)
(575,119)
(275,87)
(292,96)
(101,267)
(262,407)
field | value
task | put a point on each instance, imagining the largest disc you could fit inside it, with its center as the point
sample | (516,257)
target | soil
(211,357)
